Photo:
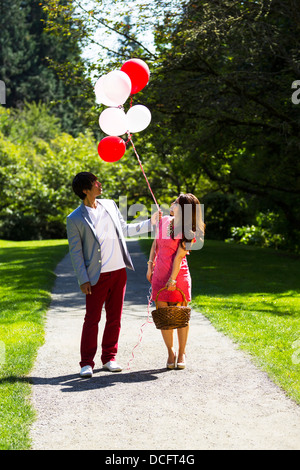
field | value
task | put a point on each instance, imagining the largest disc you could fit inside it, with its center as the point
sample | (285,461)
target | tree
(223,122)
(224,90)
(31,60)
(37,165)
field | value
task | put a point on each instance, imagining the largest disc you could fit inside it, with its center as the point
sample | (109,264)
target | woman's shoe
(181,365)
(171,365)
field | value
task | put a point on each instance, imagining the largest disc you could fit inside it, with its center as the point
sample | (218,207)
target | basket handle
(179,290)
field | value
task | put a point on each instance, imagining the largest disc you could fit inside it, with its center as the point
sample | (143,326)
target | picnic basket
(171,317)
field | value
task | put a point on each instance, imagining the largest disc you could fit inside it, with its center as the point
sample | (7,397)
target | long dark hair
(188,224)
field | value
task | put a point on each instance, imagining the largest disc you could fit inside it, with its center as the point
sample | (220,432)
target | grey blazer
(84,245)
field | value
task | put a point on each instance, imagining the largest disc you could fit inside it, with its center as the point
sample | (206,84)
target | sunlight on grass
(27,278)
(253,296)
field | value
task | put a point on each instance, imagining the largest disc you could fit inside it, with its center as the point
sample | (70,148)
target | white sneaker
(112,366)
(86,371)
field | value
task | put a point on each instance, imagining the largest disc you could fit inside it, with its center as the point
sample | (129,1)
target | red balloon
(111,148)
(138,72)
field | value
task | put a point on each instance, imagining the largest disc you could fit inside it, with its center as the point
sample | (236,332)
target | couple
(96,234)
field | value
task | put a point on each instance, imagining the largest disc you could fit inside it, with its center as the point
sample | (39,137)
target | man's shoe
(112,366)
(86,372)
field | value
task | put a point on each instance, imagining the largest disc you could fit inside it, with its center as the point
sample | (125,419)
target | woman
(167,265)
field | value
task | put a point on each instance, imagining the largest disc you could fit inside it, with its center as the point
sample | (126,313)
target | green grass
(253,296)
(27,277)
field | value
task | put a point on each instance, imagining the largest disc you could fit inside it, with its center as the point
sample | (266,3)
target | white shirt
(112,258)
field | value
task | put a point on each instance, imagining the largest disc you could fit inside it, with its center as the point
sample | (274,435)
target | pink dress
(167,249)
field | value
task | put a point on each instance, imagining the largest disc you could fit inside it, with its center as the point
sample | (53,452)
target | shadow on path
(74,383)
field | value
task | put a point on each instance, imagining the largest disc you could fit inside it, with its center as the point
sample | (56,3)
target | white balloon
(101,96)
(117,86)
(113,121)
(139,117)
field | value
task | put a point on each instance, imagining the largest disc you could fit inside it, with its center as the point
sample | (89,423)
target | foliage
(224,90)
(268,231)
(38,162)
(31,60)
(223,123)
(222,212)
(220,95)
(37,165)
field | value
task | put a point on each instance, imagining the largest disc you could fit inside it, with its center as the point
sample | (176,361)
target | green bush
(223,211)
(267,232)
(37,165)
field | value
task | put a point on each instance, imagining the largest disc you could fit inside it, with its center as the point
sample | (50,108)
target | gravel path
(220,401)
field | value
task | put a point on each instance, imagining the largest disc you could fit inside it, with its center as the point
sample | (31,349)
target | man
(99,255)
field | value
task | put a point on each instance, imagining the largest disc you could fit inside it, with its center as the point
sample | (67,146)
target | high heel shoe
(171,365)
(181,365)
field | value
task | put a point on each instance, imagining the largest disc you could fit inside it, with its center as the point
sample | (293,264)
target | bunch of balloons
(113,90)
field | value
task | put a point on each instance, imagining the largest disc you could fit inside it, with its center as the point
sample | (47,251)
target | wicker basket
(171,317)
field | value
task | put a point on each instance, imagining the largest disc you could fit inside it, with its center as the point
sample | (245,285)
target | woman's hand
(149,272)
(171,285)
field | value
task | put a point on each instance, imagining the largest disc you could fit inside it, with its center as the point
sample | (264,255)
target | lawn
(27,277)
(253,296)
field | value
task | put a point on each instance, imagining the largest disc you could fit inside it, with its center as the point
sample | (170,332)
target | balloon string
(150,290)
(142,328)
(140,163)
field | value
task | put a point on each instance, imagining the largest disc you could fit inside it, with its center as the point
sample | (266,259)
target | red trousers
(109,289)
